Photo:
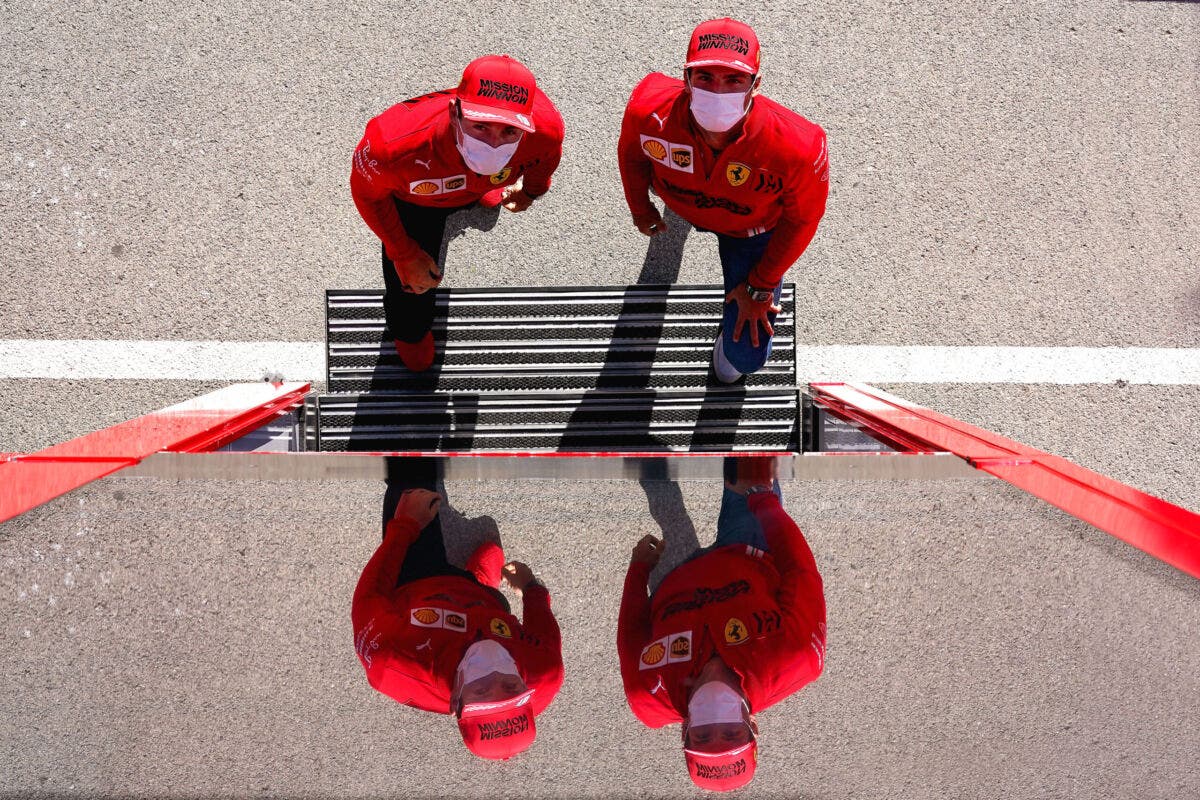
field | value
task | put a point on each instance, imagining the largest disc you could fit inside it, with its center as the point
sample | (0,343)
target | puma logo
(660,685)
(425,645)
(660,120)
(424,164)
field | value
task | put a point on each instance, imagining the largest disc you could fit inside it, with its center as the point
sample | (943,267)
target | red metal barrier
(203,424)
(1164,530)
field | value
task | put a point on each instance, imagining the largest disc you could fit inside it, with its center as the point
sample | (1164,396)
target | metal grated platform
(645,337)
(717,420)
(601,369)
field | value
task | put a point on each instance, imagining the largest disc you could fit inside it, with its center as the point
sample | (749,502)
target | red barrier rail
(205,423)
(1166,531)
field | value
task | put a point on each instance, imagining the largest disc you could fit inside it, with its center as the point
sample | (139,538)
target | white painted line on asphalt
(252,361)
(143,360)
(1049,365)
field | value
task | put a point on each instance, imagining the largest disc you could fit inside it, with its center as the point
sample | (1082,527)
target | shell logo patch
(673,648)
(669,154)
(430,186)
(735,631)
(500,628)
(655,149)
(425,616)
(653,654)
(736,173)
(501,176)
(438,618)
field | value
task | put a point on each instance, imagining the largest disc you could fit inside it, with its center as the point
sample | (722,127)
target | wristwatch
(760,489)
(759,295)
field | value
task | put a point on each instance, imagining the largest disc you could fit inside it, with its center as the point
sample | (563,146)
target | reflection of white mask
(483,658)
(715,702)
(717,112)
(481,157)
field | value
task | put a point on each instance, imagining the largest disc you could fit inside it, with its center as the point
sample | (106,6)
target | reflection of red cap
(723,42)
(720,772)
(498,730)
(498,89)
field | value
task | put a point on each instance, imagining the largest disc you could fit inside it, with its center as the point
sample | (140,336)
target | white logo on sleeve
(363,163)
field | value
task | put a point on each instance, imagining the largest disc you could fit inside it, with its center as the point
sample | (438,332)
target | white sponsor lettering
(365,643)
(364,164)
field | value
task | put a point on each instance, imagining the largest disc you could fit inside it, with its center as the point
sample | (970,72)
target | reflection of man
(733,162)
(730,632)
(425,158)
(439,638)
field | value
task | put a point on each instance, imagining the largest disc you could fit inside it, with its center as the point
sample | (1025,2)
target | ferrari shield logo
(735,631)
(736,173)
(500,628)
(501,176)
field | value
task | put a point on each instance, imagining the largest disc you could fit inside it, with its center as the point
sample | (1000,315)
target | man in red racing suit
(730,632)
(439,638)
(495,139)
(730,161)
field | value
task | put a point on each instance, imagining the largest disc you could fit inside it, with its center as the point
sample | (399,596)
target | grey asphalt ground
(1009,173)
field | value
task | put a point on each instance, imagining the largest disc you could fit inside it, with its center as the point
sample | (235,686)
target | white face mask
(715,702)
(483,658)
(481,157)
(718,112)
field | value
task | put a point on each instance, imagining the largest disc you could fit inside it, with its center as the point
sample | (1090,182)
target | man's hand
(518,575)
(515,199)
(420,505)
(751,313)
(648,550)
(419,274)
(652,225)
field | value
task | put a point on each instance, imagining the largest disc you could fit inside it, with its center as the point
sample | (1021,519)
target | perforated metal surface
(597,369)
(714,420)
(538,339)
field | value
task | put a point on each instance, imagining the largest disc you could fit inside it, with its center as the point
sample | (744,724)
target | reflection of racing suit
(762,612)
(408,154)
(410,638)
(775,175)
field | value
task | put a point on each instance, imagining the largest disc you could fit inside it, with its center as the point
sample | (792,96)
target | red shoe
(758,471)
(417,357)
(492,198)
(486,563)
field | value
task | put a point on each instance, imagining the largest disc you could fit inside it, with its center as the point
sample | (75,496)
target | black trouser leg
(427,555)
(410,316)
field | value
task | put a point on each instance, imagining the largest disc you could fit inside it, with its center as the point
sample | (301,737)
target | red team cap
(498,730)
(721,772)
(498,89)
(723,42)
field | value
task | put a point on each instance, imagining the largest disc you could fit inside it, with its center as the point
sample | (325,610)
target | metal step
(712,420)
(536,339)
